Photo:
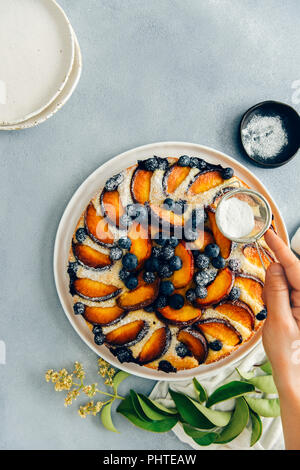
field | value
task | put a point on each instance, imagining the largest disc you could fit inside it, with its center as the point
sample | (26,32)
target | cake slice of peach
(88,256)
(224,243)
(218,289)
(251,291)
(237,311)
(205,181)
(128,334)
(141,185)
(251,253)
(164,217)
(140,297)
(112,206)
(183,276)
(94,290)
(184,316)
(103,315)
(220,329)
(173,178)
(97,227)
(141,245)
(156,346)
(196,343)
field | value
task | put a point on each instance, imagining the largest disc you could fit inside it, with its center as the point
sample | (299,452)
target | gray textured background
(154,70)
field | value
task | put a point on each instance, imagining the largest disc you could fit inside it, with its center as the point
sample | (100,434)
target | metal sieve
(262,217)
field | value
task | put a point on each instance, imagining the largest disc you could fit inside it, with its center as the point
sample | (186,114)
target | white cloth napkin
(272,437)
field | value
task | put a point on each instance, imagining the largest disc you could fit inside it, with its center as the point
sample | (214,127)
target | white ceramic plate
(37,55)
(60,100)
(79,202)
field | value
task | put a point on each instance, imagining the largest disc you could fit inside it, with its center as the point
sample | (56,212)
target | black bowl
(291,123)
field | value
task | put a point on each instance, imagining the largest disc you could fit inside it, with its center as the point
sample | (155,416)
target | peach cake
(153,276)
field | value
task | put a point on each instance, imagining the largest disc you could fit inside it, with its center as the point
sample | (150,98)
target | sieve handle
(259,254)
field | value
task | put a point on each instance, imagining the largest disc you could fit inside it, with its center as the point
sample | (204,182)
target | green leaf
(256,427)
(233,389)
(198,415)
(267,407)
(137,406)
(265,383)
(106,418)
(202,438)
(158,406)
(237,423)
(118,379)
(200,390)
(267,368)
(126,409)
(151,413)
(245,375)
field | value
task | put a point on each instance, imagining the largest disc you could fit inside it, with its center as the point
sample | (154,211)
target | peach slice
(218,289)
(225,245)
(237,311)
(183,276)
(205,181)
(219,195)
(128,334)
(103,315)
(156,346)
(97,227)
(204,238)
(111,206)
(140,185)
(251,253)
(94,290)
(166,218)
(173,178)
(220,329)
(184,316)
(196,343)
(140,243)
(88,256)
(140,297)
(251,291)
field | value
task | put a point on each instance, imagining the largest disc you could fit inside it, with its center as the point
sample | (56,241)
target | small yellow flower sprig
(64,380)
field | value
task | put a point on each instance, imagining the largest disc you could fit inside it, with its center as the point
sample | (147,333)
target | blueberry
(180,207)
(202,261)
(125,220)
(131,282)
(166,366)
(123,354)
(218,262)
(163,163)
(161,301)
(201,292)
(81,235)
(161,240)
(79,308)
(164,271)
(124,243)
(190,295)
(151,164)
(182,350)
(124,274)
(167,253)
(202,165)
(97,329)
(72,270)
(115,253)
(216,345)
(99,339)
(198,216)
(173,241)
(152,265)
(149,277)
(190,235)
(113,182)
(150,308)
(175,263)
(176,301)
(262,315)
(235,293)
(184,160)
(202,278)
(234,264)
(132,210)
(156,251)
(227,173)
(212,250)
(142,213)
(130,261)
(169,204)
(167,288)
(194,162)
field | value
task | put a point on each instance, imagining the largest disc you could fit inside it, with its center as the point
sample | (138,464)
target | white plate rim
(80,200)
(43,107)
(60,100)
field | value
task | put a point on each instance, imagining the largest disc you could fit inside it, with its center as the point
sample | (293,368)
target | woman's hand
(281,333)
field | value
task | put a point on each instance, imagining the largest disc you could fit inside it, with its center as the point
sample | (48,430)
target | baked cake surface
(153,276)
